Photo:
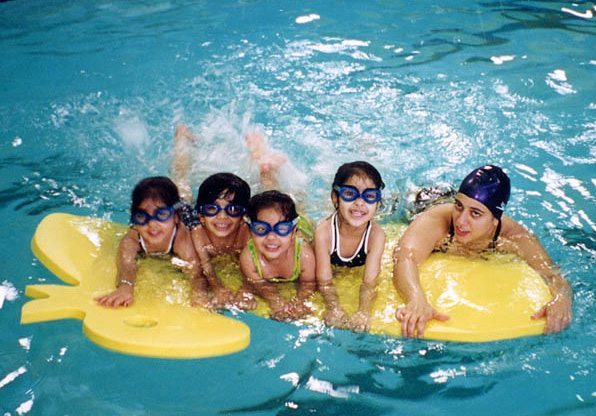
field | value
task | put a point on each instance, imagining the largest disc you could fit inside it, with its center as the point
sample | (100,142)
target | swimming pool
(89,99)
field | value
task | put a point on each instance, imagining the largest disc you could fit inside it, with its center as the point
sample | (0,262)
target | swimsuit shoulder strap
(297,252)
(366,236)
(334,234)
(254,255)
(493,244)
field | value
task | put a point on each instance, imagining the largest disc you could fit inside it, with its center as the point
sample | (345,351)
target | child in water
(350,238)
(221,204)
(222,201)
(276,253)
(155,231)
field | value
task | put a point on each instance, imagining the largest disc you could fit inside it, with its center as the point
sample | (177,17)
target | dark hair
(358,168)
(272,199)
(156,187)
(222,185)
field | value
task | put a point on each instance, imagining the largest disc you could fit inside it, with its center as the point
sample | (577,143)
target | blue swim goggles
(349,193)
(282,228)
(232,210)
(142,217)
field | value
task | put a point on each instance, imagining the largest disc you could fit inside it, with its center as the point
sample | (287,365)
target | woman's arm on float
(360,321)
(127,273)
(413,248)
(334,314)
(268,291)
(558,311)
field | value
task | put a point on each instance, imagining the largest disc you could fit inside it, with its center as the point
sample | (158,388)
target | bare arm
(413,248)
(558,311)
(360,321)
(127,273)
(334,314)
(206,271)
(307,283)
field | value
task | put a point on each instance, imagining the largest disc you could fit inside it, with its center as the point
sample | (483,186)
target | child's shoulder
(377,229)
(323,231)
(243,236)
(323,225)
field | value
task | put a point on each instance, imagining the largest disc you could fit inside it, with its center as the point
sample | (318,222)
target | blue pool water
(90,94)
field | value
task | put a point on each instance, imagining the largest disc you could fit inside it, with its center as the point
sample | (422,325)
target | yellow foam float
(81,251)
(487,298)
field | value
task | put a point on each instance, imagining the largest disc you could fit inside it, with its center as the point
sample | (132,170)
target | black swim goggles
(282,228)
(142,217)
(232,210)
(349,193)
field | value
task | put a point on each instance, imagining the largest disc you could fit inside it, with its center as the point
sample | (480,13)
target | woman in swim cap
(472,224)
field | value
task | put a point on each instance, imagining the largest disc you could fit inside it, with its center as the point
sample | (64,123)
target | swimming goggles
(282,228)
(142,217)
(349,193)
(211,210)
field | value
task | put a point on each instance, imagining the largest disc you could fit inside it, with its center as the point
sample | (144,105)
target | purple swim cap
(488,185)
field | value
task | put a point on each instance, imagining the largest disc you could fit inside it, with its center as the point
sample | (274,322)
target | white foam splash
(441,376)
(499,60)
(131,129)
(322,386)
(557,80)
(307,18)
(10,377)
(7,292)
(17,141)
(588,14)
(25,343)
(292,378)
(26,406)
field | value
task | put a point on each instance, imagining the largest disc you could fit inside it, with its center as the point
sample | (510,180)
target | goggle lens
(142,217)
(232,210)
(282,228)
(349,194)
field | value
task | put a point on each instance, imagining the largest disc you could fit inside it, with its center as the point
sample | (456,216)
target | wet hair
(158,188)
(358,168)
(272,199)
(222,185)
(488,185)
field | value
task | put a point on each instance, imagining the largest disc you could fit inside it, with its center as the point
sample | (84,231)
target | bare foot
(183,134)
(268,160)
(180,167)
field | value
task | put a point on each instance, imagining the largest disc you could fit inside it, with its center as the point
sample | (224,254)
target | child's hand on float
(245,300)
(222,297)
(336,317)
(301,309)
(281,311)
(199,298)
(122,296)
(359,322)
